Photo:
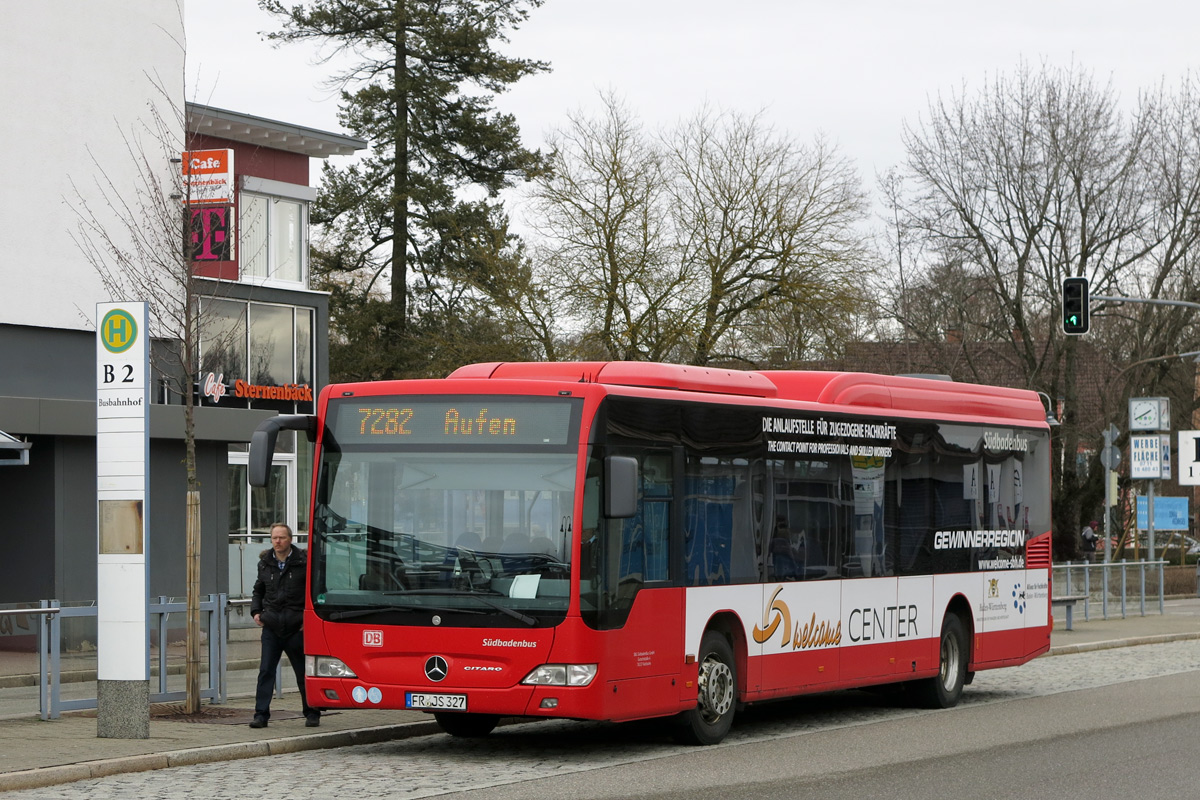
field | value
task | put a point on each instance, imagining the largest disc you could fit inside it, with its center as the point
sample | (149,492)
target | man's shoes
(312,720)
(258,722)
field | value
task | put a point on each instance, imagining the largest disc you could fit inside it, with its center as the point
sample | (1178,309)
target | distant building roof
(269,133)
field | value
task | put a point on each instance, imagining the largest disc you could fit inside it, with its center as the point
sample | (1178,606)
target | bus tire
(945,689)
(470,726)
(716,694)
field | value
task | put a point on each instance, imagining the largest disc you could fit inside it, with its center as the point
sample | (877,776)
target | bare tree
(709,242)
(1169,267)
(604,248)
(139,239)
(1033,178)
(761,221)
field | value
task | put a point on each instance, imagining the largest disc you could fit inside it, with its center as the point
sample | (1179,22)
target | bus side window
(719,523)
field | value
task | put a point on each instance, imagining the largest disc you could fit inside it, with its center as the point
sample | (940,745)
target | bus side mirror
(620,487)
(262,442)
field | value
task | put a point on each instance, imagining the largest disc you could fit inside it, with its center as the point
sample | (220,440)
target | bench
(1068,602)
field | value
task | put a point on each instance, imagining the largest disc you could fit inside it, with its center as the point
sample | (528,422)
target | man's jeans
(273,647)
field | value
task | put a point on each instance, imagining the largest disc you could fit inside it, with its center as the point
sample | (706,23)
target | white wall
(77,80)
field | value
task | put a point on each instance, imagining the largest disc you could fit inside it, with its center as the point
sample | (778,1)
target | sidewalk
(1180,620)
(34,753)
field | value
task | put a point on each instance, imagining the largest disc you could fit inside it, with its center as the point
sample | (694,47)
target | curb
(1087,647)
(68,773)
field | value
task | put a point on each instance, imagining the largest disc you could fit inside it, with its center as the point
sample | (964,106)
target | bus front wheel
(471,726)
(945,689)
(716,694)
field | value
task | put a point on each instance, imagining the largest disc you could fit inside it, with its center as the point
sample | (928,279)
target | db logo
(372,638)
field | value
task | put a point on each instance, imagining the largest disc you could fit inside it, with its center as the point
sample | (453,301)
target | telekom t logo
(209,233)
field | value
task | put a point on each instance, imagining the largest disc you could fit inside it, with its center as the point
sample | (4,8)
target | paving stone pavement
(377,745)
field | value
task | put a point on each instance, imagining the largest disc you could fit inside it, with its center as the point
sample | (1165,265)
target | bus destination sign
(476,420)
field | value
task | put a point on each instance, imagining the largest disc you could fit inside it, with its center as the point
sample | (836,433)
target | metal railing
(1100,582)
(51,613)
(44,612)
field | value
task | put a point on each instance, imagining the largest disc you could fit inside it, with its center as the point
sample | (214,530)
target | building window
(304,345)
(261,344)
(272,332)
(223,339)
(272,233)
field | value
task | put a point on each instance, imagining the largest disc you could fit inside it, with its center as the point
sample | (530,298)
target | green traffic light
(1075,306)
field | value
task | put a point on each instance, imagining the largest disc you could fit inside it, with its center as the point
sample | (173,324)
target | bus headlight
(561,675)
(326,667)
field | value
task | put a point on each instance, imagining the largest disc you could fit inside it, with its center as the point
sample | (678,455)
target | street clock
(1149,413)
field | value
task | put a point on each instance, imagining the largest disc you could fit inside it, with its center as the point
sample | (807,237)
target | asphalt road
(1097,725)
(1067,745)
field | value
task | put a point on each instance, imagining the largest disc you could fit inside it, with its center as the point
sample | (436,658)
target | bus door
(1000,561)
(875,617)
(626,579)
(805,561)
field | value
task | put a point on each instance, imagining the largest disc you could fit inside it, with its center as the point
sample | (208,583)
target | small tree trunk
(192,703)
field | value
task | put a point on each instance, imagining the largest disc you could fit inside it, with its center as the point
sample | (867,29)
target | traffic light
(1075,306)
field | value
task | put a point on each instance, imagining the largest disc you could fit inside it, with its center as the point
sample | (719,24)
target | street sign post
(122,483)
(1145,457)
(1145,462)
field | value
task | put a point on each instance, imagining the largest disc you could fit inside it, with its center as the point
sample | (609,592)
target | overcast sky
(854,70)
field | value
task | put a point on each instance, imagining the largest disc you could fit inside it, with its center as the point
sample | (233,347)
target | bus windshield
(479,534)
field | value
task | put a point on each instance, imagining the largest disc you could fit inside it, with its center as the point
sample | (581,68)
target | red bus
(620,540)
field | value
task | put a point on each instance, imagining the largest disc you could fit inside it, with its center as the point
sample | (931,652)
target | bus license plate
(451,702)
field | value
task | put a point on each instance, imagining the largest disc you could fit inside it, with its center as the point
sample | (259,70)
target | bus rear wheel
(470,726)
(716,694)
(945,689)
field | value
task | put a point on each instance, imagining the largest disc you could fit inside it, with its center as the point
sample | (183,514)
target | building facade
(91,102)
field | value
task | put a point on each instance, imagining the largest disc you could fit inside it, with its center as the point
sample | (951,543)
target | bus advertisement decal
(810,634)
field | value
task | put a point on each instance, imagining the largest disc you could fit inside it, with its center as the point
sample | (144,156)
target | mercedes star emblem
(436,668)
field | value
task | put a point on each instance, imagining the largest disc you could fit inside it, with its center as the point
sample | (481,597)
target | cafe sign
(208,177)
(214,388)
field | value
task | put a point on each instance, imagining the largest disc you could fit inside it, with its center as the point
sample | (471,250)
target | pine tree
(423,205)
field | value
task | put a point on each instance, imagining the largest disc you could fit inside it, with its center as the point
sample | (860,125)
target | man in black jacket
(278,608)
